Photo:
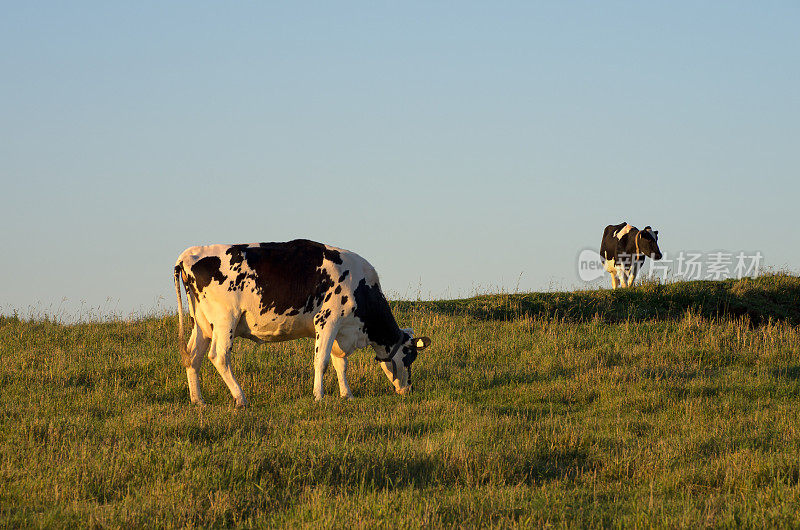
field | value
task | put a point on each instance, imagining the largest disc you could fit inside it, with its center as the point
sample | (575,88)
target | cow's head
(647,243)
(396,363)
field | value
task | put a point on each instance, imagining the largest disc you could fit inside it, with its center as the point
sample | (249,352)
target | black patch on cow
(323,286)
(286,276)
(188,283)
(206,270)
(344,300)
(343,276)
(238,282)
(409,353)
(235,252)
(320,319)
(374,311)
(338,289)
(333,255)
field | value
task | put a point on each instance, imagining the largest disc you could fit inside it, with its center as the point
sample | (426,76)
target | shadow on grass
(376,470)
(677,373)
(511,378)
(790,372)
(703,391)
(382,432)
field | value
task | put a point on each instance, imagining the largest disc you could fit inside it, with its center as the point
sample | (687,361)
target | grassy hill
(664,405)
(773,297)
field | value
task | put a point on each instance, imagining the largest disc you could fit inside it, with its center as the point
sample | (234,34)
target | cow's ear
(655,232)
(422,343)
(648,228)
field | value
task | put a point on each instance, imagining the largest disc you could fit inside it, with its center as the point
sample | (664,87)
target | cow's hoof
(317,398)
(347,397)
(241,403)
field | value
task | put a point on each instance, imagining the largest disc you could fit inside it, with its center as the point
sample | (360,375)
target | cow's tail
(185,360)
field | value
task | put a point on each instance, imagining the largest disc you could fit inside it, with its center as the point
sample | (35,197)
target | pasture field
(666,405)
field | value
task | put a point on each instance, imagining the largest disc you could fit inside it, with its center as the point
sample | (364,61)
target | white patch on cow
(622,231)
(387,369)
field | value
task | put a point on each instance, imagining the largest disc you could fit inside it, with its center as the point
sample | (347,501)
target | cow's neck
(380,352)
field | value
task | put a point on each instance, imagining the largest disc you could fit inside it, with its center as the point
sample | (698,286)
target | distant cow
(270,292)
(623,250)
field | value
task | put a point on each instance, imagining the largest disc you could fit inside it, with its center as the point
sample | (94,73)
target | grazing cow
(270,292)
(623,250)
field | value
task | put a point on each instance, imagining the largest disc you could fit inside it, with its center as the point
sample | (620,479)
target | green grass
(673,405)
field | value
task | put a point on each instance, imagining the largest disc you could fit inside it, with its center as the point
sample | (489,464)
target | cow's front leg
(198,343)
(632,274)
(322,356)
(613,280)
(340,365)
(221,343)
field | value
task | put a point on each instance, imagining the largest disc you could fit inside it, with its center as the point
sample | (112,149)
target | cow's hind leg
(613,280)
(197,346)
(219,353)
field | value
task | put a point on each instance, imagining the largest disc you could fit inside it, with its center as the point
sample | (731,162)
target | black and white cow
(270,292)
(623,250)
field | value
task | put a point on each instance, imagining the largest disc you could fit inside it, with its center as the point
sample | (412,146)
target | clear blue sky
(455,145)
